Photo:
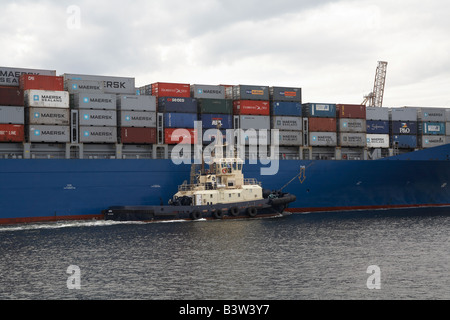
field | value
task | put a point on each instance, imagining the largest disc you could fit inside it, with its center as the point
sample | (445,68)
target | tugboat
(222,192)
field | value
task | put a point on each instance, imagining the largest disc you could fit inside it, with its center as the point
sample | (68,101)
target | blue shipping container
(377,127)
(437,128)
(405,141)
(173,104)
(180,120)
(210,121)
(320,110)
(286,109)
(404,127)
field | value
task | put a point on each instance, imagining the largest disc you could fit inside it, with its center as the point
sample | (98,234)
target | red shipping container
(164,89)
(12,133)
(11,96)
(251,107)
(322,124)
(351,111)
(138,135)
(188,137)
(40,82)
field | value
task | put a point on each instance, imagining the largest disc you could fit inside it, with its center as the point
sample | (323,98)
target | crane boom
(375,98)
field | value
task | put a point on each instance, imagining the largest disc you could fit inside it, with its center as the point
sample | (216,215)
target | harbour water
(298,257)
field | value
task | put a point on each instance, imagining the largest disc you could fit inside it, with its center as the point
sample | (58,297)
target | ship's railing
(190,187)
(251,181)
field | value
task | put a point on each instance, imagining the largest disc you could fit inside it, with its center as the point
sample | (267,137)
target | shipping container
(84,86)
(46,99)
(174,104)
(404,141)
(432,114)
(286,109)
(113,85)
(254,137)
(323,139)
(146,90)
(48,116)
(137,135)
(215,106)
(11,96)
(377,126)
(12,133)
(180,120)
(404,127)
(251,122)
(178,90)
(209,136)
(97,118)
(98,134)
(447,128)
(352,125)
(351,111)
(290,138)
(377,113)
(248,92)
(136,103)
(404,114)
(94,101)
(210,121)
(287,123)
(322,124)
(285,94)
(429,141)
(378,141)
(447,115)
(319,110)
(12,115)
(180,136)
(347,139)
(433,128)
(200,91)
(49,134)
(10,77)
(138,119)
(251,107)
(41,82)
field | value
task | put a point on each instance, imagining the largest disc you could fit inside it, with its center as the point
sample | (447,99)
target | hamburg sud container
(251,107)
(48,116)
(377,113)
(180,120)
(352,125)
(404,127)
(285,94)
(12,133)
(164,89)
(98,134)
(378,141)
(322,124)
(47,99)
(12,115)
(286,109)
(432,141)
(350,139)
(94,101)
(49,134)
(179,136)
(137,135)
(174,105)
(216,106)
(210,121)
(41,82)
(136,103)
(97,118)
(138,119)
(200,91)
(377,126)
(320,110)
(323,139)
(84,86)
(404,141)
(247,92)
(351,111)
(11,76)
(433,128)
(287,123)
(114,85)
(11,96)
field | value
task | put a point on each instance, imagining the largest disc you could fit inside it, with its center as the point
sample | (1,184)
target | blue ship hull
(49,190)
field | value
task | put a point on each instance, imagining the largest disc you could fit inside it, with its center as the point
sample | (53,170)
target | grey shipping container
(447,128)
(432,114)
(247,92)
(11,76)
(290,138)
(287,123)
(378,141)
(12,115)
(285,94)
(433,141)
(252,122)
(50,134)
(48,116)
(138,119)
(352,125)
(201,91)
(377,113)
(98,134)
(46,99)
(136,103)
(84,86)
(98,118)
(404,114)
(115,85)
(323,139)
(253,137)
(347,139)
(94,101)
(447,115)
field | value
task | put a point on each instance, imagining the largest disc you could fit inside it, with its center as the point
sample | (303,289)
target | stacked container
(447,125)
(352,125)
(377,127)
(322,124)
(432,127)
(12,115)
(404,127)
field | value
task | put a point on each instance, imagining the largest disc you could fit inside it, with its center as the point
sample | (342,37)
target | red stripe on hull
(49,219)
(332,209)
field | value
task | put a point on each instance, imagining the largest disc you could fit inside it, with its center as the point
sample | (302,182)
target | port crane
(375,98)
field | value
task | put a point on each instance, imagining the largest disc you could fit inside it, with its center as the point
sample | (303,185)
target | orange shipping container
(351,111)
(40,82)
(12,133)
(322,124)
(180,136)
(251,107)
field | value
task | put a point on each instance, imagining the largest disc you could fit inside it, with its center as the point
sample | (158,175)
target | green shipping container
(216,106)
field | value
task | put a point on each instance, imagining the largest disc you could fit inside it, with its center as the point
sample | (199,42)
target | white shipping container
(404,114)
(290,138)
(98,134)
(136,103)
(252,122)
(287,123)
(200,91)
(138,119)
(378,141)
(377,113)
(49,134)
(48,116)
(323,139)
(46,99)
(114,85)
(352,125)
(352,139)
(99,118)
(431,141)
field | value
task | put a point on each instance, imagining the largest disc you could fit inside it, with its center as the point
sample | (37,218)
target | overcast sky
(328,48)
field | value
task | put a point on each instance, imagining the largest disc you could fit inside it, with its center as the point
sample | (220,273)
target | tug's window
(234,165)
(210,195)
(239,166)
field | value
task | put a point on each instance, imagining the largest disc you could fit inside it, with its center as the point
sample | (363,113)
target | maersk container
(98,134)
(322,124)
(347,139)
(433,128)
(250,92)
(97,118)
(351,111)
(94,101)
(84,86)
(352,125)
(290,138)
(285,94)
(200,91)
(251,107)
(432,114)
(378,141)
(138,119)
(165,89)
(175,105)
(429,141)
(46,99)
(323,139)
(319,110)
(180,136)
(49,134)
(251,122)
(215,106)
(377,126)
(210,121)
(137,135)
(287,123)
(180,120)
(11,96)
(114,85)
(12,115)
(48,116)
(404,114)
(41,82)
(136,103)
(404,127)
(12,133)
(10,77)
(286,109)
(377,113)
(404,141)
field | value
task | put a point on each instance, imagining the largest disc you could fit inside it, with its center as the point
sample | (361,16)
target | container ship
(73,145)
